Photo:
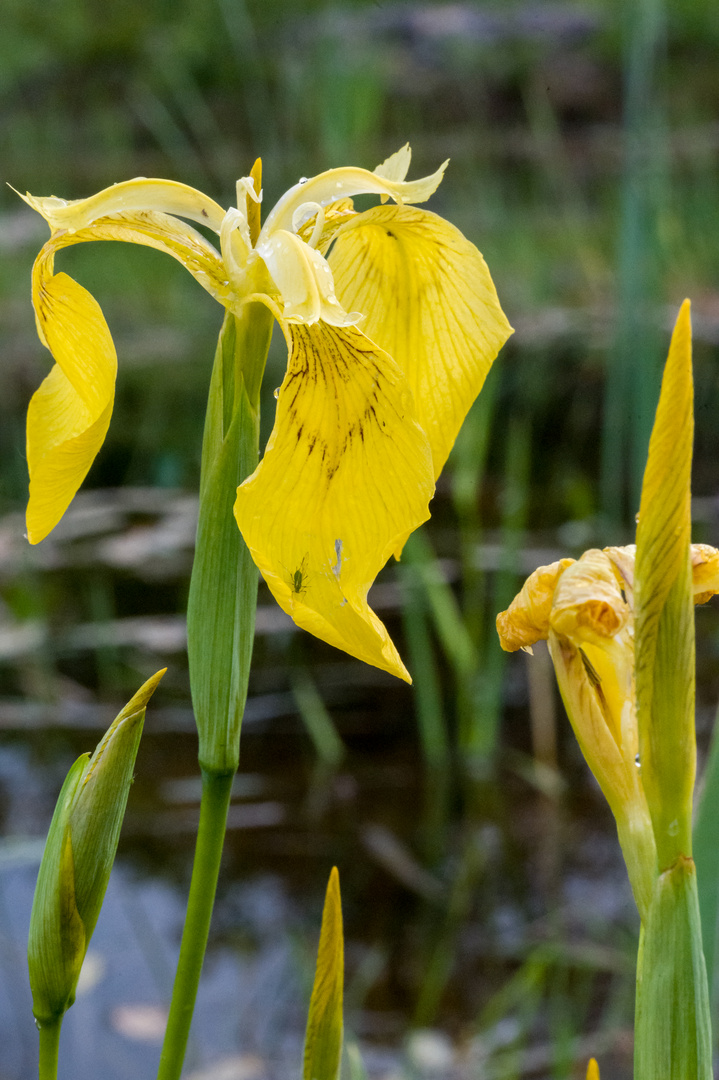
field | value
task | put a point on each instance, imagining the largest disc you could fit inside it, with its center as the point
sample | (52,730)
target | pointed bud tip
(137,703)
(592,1070)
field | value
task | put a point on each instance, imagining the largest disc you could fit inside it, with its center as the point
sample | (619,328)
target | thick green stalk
(220,632)
(49,1048)
(223,587)
(208,853)
(672,1034)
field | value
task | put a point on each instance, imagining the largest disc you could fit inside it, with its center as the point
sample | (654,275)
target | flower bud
(78,857)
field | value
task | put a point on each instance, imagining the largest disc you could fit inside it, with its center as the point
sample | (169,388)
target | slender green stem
(208,853)
(49,1048)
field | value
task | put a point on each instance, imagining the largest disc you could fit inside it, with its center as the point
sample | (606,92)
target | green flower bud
(78,857)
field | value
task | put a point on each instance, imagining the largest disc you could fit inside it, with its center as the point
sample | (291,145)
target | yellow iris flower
(365,416)
(585,611)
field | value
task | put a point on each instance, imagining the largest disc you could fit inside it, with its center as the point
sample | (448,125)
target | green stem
(672,1028)
(220,633)
(208,853)
(49,1048)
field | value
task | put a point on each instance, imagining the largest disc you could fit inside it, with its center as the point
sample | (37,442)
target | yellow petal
(69,414)
(588,605)
(63,438)
(345,478)
(526,620)
(336,214)
(328,187)
(165,196)
(163,233)
(429,301)
(588,610)
(304,280)
(592,1069)
(705,572)
(396,166)
(608,744)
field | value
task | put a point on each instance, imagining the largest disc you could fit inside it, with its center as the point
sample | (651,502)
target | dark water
(489,926)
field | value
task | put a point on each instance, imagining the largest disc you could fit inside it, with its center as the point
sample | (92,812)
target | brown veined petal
(346,477)
(429,301)
(526,620)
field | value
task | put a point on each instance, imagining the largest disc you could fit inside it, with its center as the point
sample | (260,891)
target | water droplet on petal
(276,393)
(673,829)
(302,180)
(637,762)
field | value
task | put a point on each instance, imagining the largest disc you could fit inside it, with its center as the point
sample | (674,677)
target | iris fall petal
(346,476)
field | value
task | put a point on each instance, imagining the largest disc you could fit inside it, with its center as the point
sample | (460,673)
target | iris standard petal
(303,279)
(346,476)
(429,302)
(328,187)
(165,196)
(396,166)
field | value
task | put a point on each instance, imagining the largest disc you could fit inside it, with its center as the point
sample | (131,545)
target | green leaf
(664,613)
(323,1040)
(706,857)
(672,1034)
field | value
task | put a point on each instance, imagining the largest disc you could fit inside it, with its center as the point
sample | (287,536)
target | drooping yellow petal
(63,438)
(526,620)
(429,301)
(131,196)
(587,602)
(346,477)
(69,414)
